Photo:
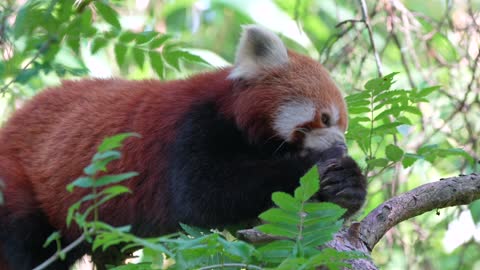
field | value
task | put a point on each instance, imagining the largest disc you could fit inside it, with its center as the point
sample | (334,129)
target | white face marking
(335,115)
(292,114)
(323,138)
(298,112)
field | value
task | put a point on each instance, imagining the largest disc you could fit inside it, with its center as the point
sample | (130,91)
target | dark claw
(342,183)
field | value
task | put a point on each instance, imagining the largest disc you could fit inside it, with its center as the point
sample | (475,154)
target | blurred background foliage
(429,43)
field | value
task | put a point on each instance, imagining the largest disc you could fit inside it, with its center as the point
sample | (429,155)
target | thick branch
(452,191)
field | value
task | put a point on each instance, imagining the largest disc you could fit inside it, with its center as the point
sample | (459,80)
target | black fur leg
(22,240)
(342,183)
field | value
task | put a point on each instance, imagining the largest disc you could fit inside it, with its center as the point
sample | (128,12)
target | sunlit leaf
(393,152)
(108,14)
(156,61)
(115,141)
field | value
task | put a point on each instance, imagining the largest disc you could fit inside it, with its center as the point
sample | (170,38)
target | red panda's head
(279,93)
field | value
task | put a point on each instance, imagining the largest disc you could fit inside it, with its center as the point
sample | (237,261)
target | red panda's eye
(326,119)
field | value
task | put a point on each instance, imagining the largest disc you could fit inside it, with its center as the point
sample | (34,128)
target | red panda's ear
(258,49)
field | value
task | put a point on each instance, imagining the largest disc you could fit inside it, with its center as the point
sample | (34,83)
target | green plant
(380,115)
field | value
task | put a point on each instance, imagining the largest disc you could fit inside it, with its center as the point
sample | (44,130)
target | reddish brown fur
(303,78)
(54,137)
(46,144)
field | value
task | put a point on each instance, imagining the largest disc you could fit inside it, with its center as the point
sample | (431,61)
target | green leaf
(28,17)
(427,91)
(393,152)
(475,211)
(278,230)
(106,155)
(115,141)
(409,159)
(88,182)
(442,45)
(358,103)
(390,128)
(320,235)
(386,113)
(100,162)
(323,210)
(173,59)
(156,62)
(277,215)
(309,185)
(120,51)
(114,191)
(127,37)
(98,43)
(26,75)
(55,236)
(115,178)
(380,84)
(145,37)
(362,96)
(396,102)
(378,162)
(194,231)
(238,250)
(108,14)
(390,94)
(358,110)
(158,41)
(74,43)
(83,182)
(192,57)
(276,251)
(86,19)
(426,25)
(74,208)
(138,56)
(286,201)
(360,119)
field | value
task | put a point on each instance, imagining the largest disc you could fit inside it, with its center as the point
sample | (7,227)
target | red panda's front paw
(343,183)
(326,157)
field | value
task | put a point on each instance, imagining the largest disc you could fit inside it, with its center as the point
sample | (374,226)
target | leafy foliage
(45,33)
(306,225)
(379,115)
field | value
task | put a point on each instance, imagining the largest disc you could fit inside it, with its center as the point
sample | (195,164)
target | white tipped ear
(257,50)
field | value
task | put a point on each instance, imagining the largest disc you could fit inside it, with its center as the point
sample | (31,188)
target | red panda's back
(54,136)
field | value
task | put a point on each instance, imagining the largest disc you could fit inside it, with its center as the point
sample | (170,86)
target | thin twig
(40,51)
(56,256)
(366,20)
(352,21)
(472,80)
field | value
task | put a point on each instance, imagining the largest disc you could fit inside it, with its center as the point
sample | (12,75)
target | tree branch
(364,235)
(452,191)
(65,250)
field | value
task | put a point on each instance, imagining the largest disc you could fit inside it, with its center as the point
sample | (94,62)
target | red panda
(213,148)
